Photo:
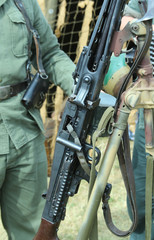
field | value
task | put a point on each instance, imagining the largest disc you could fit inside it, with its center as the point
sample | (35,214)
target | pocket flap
(16,17)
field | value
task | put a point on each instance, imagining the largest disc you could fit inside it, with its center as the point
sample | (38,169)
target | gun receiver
(71,158)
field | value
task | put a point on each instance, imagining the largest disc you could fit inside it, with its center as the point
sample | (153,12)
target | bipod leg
(103,174)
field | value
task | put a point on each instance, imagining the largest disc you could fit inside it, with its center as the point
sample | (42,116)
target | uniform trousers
(23,179)
(139,167)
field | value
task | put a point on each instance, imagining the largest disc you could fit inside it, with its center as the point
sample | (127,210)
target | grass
(77,205)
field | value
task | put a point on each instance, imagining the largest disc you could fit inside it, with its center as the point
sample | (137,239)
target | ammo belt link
(152,51)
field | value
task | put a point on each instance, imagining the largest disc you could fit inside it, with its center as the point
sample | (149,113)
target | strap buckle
(5,92)
(106,195)
(35,33)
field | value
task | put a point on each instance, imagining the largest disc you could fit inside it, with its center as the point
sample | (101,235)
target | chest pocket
(19,34)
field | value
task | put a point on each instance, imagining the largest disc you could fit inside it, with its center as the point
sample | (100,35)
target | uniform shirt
(16,122)
(133,10)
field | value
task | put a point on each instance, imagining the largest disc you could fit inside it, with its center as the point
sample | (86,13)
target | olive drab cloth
(15,121)
(23,179)
(133,10)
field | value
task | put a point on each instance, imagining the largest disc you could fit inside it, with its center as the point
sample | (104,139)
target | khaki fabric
(22,125)
(139,167)
(23,179)
(23,163)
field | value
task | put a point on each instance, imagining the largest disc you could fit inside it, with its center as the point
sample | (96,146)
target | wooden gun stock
(47,231)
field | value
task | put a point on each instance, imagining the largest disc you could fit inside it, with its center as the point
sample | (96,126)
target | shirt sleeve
(57,64)
(132,9)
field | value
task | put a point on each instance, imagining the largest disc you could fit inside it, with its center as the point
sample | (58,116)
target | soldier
(132,11)
(23,163)
(139,154)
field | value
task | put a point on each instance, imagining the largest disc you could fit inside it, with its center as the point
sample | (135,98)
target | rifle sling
(138,59)
(127,173)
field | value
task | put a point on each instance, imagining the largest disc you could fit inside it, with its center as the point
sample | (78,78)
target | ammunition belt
(152,52)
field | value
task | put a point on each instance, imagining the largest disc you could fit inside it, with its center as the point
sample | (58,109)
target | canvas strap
(127,173)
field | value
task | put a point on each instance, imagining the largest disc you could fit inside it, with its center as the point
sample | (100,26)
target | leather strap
(36,37)
(127,173)
(12,90)
(138,59)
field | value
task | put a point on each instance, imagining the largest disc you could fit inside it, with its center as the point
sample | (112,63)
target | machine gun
(71,161)
(71,158)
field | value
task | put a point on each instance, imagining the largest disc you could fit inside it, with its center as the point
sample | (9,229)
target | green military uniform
(139,156)
(23,164)
(132,9)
